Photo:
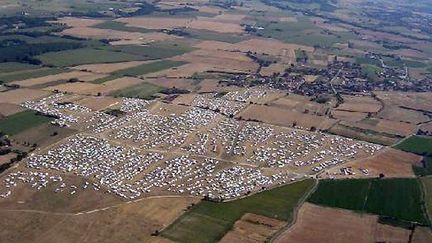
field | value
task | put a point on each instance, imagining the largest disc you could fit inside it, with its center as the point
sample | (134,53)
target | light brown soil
(133,222)
(284,117)
(320,224)
(422,235)
(98,102)
(204,23)
(253,228)
(136,37)
(9,109)
(390,162)
(218,61)
(94,89)
(18,96)
(62,76)
(79,22)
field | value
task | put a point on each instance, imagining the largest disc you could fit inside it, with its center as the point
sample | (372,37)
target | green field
(26,74)
(302,32)
(113,25)
(427,187)
(8,67)
(371,71)
(158,50)
(85,56)
(216,36)
(141,70)
(397,198)
(209,221)
(421,146)
(21,121)
(416,144)
(149,68)
(143,91)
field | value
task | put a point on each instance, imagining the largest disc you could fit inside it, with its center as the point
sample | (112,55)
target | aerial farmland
(215,121)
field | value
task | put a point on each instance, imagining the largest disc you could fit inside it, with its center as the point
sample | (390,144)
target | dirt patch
(320,224)
(253,228)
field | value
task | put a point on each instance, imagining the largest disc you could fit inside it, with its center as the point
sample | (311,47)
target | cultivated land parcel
(206,121)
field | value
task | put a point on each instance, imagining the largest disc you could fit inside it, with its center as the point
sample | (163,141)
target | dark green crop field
(416,144)
(22,121)
(398,198)
(209,221)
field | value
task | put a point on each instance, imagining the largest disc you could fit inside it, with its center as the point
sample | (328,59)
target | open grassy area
(27,74)
(397,198)
(143,91)
(21,121)
(86,56)
(209,221)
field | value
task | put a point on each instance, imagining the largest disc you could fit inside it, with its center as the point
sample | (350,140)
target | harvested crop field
(253,228)
(94,89)
(396,113)
(415,101)
(108,67)
(384,126)
(84,76)
(79,22)
(284,117)
(422,235)
(389,162)
(18,96)
(348,116)
(137,38)
(321,224)
(9,109)
(124,222)
(210,221)
(220,60)
(98,103)
(360,104)
(203,23)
